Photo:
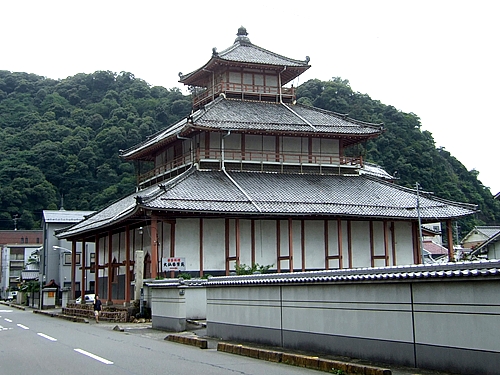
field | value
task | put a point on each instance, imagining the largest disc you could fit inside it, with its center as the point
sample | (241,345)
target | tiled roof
(63,216)
(238,115)
(479,269)
(435,248)
(273,195)
(244,52)
(488,231)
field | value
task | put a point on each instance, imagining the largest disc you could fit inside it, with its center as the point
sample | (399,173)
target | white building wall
(314,244)
(265,242)
(213,244)
(404,242)
(360,234)
(187,242)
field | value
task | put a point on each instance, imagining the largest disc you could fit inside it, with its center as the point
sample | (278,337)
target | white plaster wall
(258,307)
(265,243)
(187,242)
(360,235)
(314,244)
(459,314)
(213,244)
(378,242)
(404,243)
(196,302)
(353,310)
(245,242)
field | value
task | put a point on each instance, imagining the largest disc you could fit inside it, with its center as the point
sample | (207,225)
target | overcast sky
(437,59)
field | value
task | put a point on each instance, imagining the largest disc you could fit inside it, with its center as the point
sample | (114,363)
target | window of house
(67,258)
(92,262)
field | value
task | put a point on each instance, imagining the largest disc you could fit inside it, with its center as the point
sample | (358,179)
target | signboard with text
(173,264)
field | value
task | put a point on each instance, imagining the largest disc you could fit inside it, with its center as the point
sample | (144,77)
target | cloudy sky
(438,59)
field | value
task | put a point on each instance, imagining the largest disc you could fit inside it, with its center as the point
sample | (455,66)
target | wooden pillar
(252,230)
(393,243)
(127,264)
(96,265)
(226,245)
(278,244)
(110,267)
(172,244)
(417,259)
(73,270)
(386,242)
(303,244)
(201,247)
(372,245)
(290,244)
(339,242)
(449,233)
(154,247)
(237,240)
(349,242)
(83,264)
(326,240)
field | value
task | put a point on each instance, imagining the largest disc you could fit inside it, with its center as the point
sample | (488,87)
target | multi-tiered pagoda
(250,176)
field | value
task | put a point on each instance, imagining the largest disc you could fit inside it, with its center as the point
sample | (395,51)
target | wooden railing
(251,157)
(241,89)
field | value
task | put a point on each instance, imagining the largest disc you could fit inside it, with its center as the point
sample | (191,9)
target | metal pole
(420,240)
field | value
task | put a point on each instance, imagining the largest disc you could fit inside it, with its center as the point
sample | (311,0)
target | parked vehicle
(89,298)
(12,295)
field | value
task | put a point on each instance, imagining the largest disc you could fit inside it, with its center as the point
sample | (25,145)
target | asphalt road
(38,344)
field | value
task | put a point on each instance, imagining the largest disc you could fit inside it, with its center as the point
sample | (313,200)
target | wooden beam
(325,239)
(393,243)
(290,244)
(303,244)
(201,247)
(154,246)
(237,239)
(110,267)
(349,242)
(449,233)
(128,280)
(226,244)
(252,230)
(278,244)
(83,263)
(73,269)
(339,242)
(372,245)
(96,264)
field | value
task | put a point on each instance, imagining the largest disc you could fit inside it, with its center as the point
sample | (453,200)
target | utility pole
(420,239)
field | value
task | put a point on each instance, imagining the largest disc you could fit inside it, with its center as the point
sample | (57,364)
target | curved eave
(201,76)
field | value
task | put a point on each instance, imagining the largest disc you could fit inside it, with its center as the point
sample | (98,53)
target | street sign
(173,264)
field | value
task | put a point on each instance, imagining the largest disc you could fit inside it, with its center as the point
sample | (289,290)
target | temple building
(252,177)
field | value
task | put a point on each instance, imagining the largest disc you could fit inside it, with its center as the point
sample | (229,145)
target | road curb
(77,319)
(188,340)
(311,362)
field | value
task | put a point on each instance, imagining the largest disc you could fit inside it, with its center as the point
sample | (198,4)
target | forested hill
(62,138)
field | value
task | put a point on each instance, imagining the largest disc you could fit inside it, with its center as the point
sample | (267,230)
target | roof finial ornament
(241,36)
(214,51)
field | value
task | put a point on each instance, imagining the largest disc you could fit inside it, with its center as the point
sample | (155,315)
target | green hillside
(61,138)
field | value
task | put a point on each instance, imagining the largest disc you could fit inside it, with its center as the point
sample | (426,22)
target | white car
(89,298)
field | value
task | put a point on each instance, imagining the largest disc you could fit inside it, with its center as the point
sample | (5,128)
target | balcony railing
(181,163)
(250,91)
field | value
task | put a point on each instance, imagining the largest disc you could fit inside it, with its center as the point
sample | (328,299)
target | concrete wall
(172,302)
(449,325)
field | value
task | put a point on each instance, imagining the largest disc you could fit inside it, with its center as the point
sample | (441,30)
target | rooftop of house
(260,194)
(244,52)
(261,118)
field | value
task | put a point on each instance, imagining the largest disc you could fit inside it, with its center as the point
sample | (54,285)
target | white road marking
(8,320)
(5,311)
(93,356)
(21,326)
(46,336)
